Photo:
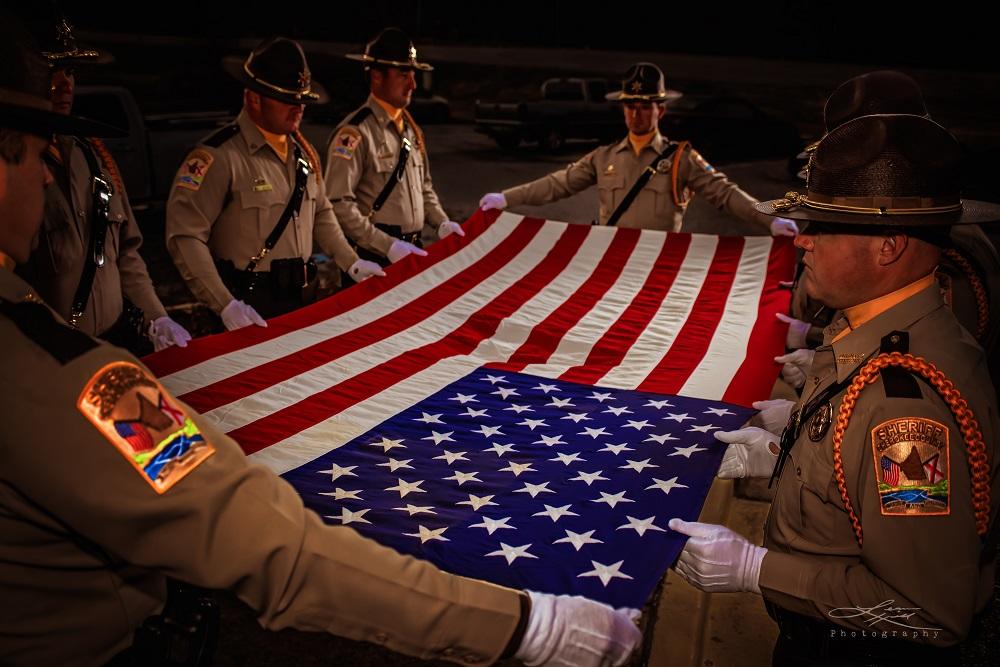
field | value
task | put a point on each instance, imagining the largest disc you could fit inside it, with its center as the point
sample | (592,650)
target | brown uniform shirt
(932,563)
(616,167)
(86,541)
(57,263)
(360,160)
(227,199)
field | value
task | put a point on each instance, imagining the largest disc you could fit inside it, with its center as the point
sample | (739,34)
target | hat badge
(413,53)
(304,79)
(636,86)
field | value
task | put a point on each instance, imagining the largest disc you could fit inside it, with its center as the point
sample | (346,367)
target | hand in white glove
(237,315)
(493,200)
(795,366)
(797,331)
(576,632)
(164,332)
(752,452)
(400,249)
(363,269)
(784,227)
(717,560)
(774,414)
(449,227)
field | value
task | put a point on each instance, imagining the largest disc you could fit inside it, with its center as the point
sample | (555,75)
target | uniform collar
(657,143)
(381,110)
(14,289)
(854,347)
(250,132)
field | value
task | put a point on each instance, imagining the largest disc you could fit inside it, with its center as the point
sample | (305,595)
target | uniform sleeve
(136,283)
(229,524)
(708,182)
(923,570)
(328,233)
(434,213)
(192,209)
(577,177)
(346,157)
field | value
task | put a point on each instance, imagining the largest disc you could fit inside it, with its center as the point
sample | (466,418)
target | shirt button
(81,213)
(472,657)
(381,638)
(798,471)
(447,653)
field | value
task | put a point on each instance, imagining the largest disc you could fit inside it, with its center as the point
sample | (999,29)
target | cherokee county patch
(911,466)
(137,415)
(194,168)
(700,161)
(345,142)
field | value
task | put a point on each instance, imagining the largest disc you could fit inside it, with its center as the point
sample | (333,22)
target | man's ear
(892,247)
(251,99)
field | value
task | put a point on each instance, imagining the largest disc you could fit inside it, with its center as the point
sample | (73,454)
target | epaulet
(358,116)
(221,136)
(36,322)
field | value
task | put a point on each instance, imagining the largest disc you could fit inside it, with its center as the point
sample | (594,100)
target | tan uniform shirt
(360,160)
(85,539)
(615,169)
(928,562)
(225,202)
(57,263)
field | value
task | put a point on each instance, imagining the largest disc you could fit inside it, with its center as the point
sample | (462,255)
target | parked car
(569,108)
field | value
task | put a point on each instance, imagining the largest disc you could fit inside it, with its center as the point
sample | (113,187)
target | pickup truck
(149,155)
(569,108)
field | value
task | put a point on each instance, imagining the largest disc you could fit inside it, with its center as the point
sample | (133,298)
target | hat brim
(234,66)
(83,55)
(973,212)
(666,96)
(365,58)
(47,123)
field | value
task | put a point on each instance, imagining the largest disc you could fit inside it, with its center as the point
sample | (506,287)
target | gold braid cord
(313,155)
(109,163)
(966,420)
(680,198)
(982,303)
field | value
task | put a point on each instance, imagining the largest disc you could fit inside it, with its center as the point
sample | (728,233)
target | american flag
(584,309)
(890,471)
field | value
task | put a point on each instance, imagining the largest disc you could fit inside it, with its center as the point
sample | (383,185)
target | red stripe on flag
(546,336)
(692,341)
(754,379)
(612,347)
(481,325)
(278,370)
(174,359)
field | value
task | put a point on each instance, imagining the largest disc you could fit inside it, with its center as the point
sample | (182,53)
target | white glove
(717,560)
(493,200)
(784,227)
(796,366)
(576,632)
(774,414)
(237,315)
(400,249)
(164,332)
(364,268)
(449,227)
(752,452)
(797,331)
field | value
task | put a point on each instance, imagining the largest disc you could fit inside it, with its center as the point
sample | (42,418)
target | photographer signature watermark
(883,613)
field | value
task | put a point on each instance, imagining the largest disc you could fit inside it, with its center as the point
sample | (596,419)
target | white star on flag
(617,449)
(577,417)
(547,388)
(638,466)
(606,572)
(464,398)
(518,468)
(429,418)
(549,440)
(512,553)
(640,525)
(534,489)
(518,408)
(500,450)
(588,477)
(347,516)
(637,425)
(686,452)
(612,499)
(475,502)
(504,392)
(395,464)
(566,459)
(337,471)
(555,513)
(341,494)
(451,457)
(594,433)
(532,423)
(598,396)
(488,431)
(438,438)
(386,444)
(463,477)
(578,540)
(660,438)
(679,418)
(416,509)
(666,486)
(659,405)
(618,412)
(560,403)
(702,429)
(404,487)
(470,412)
(493,525)
(426,534)
(493,379)
(718,412)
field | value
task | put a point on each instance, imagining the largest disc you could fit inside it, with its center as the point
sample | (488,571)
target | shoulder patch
(192,172)
(222,135)
(701,162)
(37,322)
(344,143)
(136,414)
(911,456)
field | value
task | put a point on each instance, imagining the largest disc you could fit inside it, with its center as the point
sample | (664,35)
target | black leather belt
(397,232)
